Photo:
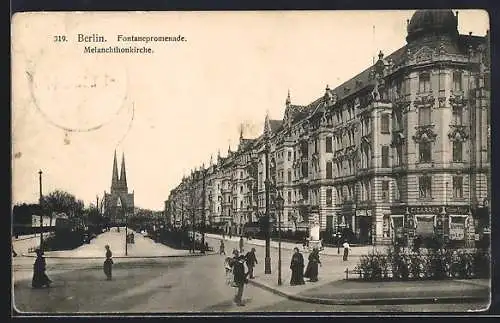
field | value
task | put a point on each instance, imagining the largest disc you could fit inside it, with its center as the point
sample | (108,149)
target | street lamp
(279,207)
(41,211)
(126,229)
(267,262)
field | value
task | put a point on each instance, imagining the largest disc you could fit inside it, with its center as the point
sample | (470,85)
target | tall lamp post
(41,212)
(126,229)
(279,207)
(203,213)
(267,262)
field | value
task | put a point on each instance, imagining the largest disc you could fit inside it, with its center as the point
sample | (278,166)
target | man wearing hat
(40,279)
(240,276)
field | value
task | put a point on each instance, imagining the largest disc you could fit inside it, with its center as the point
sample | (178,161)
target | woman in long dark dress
(312,266)
(108,263)
(40,279)
(297,267)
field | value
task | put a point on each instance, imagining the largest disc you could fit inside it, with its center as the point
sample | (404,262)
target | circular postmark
(78,92)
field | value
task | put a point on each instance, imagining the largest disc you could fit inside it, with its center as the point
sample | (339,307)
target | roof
(276,125)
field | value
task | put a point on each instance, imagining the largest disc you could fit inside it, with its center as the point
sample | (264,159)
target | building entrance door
(365,228)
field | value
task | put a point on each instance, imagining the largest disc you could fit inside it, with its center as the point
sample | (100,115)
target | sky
(170,110)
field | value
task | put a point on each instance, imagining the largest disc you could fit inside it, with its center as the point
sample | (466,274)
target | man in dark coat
(240,277)
(40,279)
(241,244)
(251,262)
(297,267)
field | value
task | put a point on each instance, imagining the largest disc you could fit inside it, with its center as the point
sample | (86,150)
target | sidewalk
(332,288)
(330,251)
(142,248)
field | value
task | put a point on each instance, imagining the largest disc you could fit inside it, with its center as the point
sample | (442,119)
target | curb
(373,301)
(123,257)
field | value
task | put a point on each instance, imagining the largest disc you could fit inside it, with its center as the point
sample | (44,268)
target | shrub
(373,266)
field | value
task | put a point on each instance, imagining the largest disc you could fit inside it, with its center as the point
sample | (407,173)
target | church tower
(119,203)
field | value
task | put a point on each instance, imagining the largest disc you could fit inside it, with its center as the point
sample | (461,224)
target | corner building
(401,150)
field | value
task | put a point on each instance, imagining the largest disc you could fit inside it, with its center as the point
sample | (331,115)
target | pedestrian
(304,243)
(346,250)
(241,244)
(108,263)
(221,248)
(297,267)
(312,266)
(230,234)
(191,244)
(251,262)
(240,277)
(40,278)
(14,253)
(223,235)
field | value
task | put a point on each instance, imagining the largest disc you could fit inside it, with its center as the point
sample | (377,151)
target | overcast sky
(169,111)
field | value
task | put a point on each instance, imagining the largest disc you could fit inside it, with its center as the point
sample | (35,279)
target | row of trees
(54,203)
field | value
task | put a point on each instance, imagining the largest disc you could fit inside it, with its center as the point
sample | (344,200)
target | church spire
(288,100)
(114,179)
(123,174)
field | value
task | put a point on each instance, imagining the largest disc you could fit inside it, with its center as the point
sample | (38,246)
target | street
(153,285)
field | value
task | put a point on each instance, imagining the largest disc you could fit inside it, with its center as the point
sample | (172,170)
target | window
(424,116)
(424,185)
(385,156)
(399,154)
(289,176)
(384,126)
(305,169)
(328,197)
(241,174)
(424,149)
(458,188)
(457,81)
(289,156)
(385,191)
(424,82)
(329,144)
(316,145)
(329,169)
(289,197)
(241,189)
(241,204)
(457,151)
(399,188)
(457,116)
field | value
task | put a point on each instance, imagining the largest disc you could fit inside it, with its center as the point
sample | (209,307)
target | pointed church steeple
(288,100)
(267,125)
(114,179)
(123,173)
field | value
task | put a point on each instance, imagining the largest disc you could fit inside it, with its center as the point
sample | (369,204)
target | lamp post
(41,212)
(126,229)
(267,262)
(204,170)
(279,207)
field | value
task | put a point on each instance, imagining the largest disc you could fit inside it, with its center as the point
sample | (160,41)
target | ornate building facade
(399,151)
(118,203)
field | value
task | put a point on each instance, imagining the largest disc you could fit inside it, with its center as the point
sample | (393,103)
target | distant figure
(221,248)
(40,278)
(108,263)
(346,250)
(241,244)
(223,235)
(191,245)
(251,262)
(297,267)
(312,266)
(304,243)
(230,234)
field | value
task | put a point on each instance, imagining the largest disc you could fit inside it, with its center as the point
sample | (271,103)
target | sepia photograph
(218,162)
